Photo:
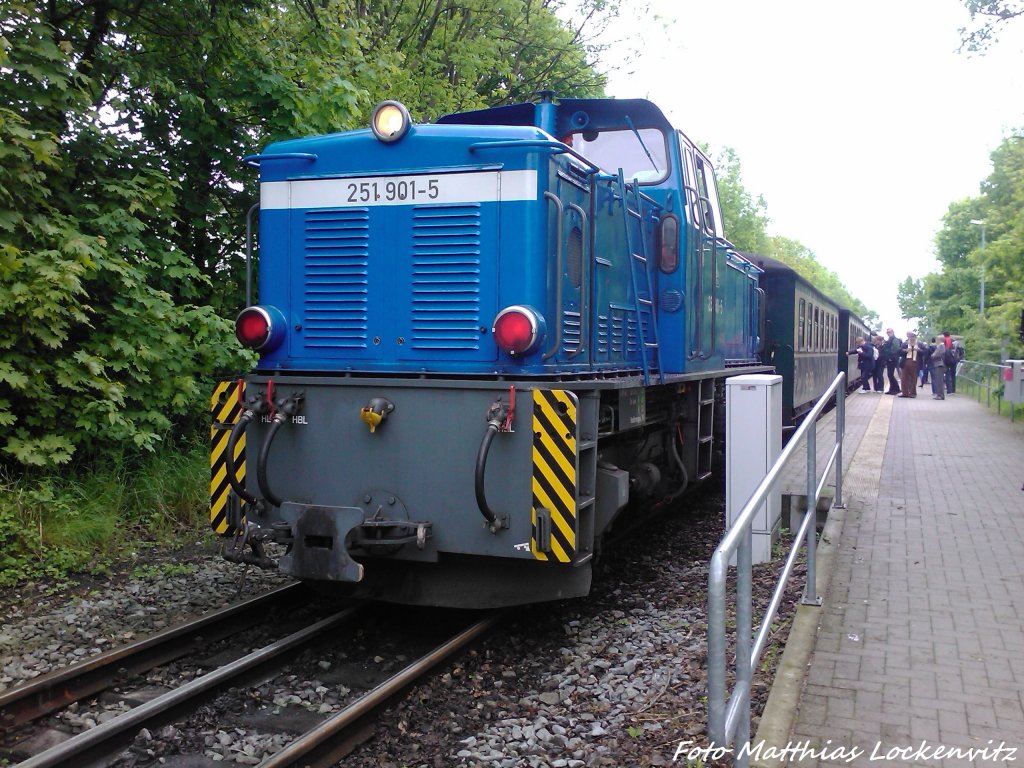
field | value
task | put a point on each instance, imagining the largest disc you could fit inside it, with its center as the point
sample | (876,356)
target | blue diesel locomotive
(478,340)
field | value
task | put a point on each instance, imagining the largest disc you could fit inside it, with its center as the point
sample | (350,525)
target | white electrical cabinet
(753,443)
(1013,381)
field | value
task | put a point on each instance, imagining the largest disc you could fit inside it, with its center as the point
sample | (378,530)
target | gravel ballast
(618,678)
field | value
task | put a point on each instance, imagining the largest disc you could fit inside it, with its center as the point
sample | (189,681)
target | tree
(476,53)
(803,260)
(989,17)
(951,298)
(910,297)
(746,219)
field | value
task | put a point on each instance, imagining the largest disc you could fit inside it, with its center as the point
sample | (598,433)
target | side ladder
(705,427)
(643,290)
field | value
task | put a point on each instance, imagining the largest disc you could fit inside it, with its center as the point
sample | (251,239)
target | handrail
(255,160)
(559,268)
(729,719)
(985,375)
(248,253)
(586,264)
(556,147)
(694,247)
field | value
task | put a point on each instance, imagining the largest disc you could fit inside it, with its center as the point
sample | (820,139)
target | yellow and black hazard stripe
(225,410)
(554,475)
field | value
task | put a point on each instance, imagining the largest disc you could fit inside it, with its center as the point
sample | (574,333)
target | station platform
(916,656)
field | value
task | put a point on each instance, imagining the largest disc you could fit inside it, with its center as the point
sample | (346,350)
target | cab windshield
(641,154)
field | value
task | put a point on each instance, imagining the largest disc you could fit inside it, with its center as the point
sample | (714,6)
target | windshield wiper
(639,138)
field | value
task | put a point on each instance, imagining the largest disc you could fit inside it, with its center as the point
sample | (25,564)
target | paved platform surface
(920,642)
(793,483)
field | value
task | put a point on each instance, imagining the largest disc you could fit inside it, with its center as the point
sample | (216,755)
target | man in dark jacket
(866,362)
(954,354)
(891,354)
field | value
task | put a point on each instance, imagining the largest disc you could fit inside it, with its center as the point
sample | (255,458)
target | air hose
(229,459)
(481,467)
(679,462)
(286,409)
(261,462)
(496,418)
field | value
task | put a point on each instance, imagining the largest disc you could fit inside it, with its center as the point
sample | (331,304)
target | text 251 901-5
(390,191)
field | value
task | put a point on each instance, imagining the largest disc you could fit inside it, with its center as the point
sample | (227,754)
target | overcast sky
(857,120)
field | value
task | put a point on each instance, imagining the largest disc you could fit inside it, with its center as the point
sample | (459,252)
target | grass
(55,525)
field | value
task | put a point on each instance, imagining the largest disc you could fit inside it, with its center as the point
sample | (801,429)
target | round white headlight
(390,121)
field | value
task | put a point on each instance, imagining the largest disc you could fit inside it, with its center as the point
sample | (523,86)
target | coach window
(800,327)
(641,154)
(809,336)
(810,326)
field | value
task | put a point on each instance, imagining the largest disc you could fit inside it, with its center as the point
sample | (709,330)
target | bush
(51,526)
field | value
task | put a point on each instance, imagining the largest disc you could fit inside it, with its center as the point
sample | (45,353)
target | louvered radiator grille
(336,252)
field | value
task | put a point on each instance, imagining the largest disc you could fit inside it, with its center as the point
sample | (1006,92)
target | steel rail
(320,746)
(58,689)
(106,738)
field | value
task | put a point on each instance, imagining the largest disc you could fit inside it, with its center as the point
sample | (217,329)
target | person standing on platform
(939,371)
(865,362)
(951,360)
(911,353)
(891,350)
(924,364)
(879,369)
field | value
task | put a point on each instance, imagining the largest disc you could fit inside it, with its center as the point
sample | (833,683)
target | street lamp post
(981,297)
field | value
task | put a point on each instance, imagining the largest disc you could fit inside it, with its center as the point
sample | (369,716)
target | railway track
(337,736)
(49,693)
(322,745)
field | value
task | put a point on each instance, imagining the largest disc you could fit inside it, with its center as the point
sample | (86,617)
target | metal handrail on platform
(988,376)
(729,719)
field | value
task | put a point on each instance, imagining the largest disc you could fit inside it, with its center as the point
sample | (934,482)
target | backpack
(949,357)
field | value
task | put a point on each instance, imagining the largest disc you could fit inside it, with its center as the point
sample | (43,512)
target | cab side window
(707,189)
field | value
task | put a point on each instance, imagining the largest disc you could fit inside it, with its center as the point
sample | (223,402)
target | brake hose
(496,418)
(261,461)
(481,466)
(229,458)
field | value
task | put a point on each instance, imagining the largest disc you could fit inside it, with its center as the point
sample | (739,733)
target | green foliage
(162,571)
(94,349)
